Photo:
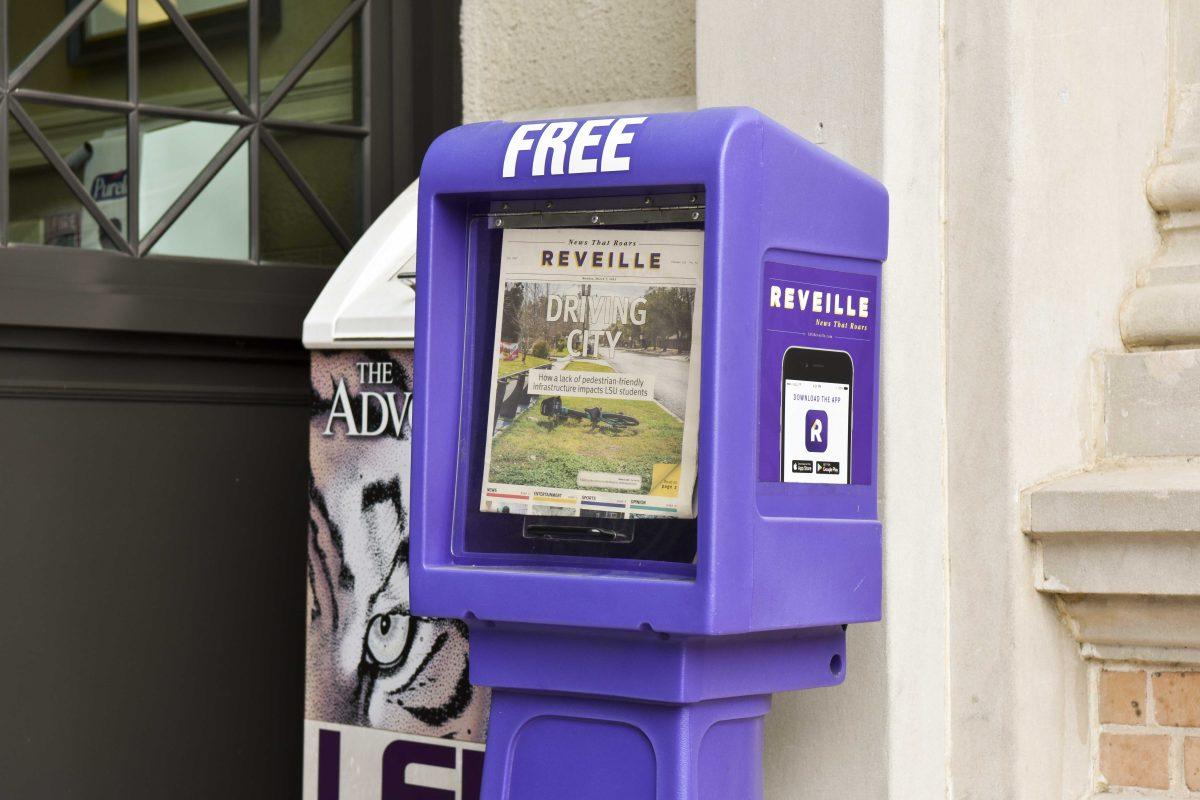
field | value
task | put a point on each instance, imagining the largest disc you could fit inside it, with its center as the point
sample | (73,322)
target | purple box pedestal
(595,715)
(551,747)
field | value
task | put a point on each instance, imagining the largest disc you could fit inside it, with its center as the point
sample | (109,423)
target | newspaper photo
(596,374)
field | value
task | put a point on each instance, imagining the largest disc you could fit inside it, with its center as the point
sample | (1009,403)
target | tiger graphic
(370,661)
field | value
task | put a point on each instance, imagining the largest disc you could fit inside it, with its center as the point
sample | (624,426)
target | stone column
(1164,309)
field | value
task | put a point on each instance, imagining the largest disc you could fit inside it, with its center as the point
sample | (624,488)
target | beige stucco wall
(812,65)
(521,55)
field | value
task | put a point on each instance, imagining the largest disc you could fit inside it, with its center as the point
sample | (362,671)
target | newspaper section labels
(595,401)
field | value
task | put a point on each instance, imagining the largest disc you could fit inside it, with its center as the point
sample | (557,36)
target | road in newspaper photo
(594,409)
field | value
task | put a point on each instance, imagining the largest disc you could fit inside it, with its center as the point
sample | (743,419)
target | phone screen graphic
(816,410)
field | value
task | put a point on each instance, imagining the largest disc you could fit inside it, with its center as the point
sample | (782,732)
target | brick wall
(1149,730)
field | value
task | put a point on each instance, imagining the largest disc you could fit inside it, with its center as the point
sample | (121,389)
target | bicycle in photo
(604,421)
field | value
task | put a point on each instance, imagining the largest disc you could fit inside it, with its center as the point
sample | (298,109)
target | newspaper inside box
(589,339)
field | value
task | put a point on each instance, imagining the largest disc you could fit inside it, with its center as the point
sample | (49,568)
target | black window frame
(411,91)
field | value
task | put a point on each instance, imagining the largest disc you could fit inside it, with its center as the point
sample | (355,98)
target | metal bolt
(692,199)
(499,221)
(549,204)
(695,215)
(504,207)
(646,201)
(595,219)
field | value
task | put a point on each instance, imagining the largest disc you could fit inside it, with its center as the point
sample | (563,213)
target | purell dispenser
(644,438)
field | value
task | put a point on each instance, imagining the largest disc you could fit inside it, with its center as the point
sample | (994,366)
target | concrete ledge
(1131,621)
(1120,563)
(1158,496)
(1119,547)
(1132,529)
(1151,655)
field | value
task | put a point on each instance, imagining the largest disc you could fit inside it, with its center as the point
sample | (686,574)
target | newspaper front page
(595,402)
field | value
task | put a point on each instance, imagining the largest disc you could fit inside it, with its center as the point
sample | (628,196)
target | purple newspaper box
(644,438)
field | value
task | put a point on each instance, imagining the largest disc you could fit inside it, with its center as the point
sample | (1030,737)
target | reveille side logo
(594,146)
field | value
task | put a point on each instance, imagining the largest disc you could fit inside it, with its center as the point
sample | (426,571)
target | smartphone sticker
(817,375)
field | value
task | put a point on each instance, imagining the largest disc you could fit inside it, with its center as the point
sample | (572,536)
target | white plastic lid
(370,299)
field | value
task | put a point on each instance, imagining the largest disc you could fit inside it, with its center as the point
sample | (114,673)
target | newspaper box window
(595,408)
(644,462)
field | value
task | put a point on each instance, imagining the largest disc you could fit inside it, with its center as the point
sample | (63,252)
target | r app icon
(816,431)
